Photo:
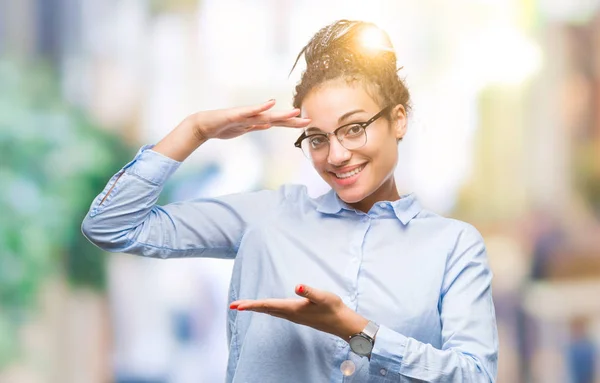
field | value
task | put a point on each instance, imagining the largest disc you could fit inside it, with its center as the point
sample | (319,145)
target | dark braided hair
(336,52)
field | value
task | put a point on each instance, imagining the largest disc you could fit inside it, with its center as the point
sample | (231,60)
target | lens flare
(347,367)
(373,38)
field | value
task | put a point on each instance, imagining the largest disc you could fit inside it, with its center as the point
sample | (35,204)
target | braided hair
(337,52)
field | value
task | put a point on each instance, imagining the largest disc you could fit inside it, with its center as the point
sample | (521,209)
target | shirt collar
(405,209)
(329,203)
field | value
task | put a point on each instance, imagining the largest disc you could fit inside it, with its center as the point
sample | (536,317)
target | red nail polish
(233,306)
(300,289)
(240,309)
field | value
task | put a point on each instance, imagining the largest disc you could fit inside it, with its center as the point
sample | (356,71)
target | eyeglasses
(351,136)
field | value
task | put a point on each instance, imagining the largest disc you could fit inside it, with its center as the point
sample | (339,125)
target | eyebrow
(345,116)
(349,114)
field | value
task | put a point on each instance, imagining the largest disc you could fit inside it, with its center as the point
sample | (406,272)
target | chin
(351,195)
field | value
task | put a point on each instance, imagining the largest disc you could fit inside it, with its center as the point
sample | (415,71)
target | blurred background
(505,134)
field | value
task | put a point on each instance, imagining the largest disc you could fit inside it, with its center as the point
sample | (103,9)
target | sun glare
(374,38)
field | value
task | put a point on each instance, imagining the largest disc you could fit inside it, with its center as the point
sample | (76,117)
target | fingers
(268,306)
(250,111)
(295,122)
(261,305)
(258,115)
(256,110)
(284,115)
(272,117)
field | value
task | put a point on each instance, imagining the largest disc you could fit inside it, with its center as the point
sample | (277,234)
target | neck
(386,192)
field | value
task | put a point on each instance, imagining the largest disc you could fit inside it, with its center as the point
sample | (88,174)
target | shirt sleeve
(124,217)
(469,351)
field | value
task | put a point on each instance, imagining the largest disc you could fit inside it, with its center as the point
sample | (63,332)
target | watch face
(360,345)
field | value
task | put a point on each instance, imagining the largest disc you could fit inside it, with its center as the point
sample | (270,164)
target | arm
(125,217)
(128,219)
(469,351)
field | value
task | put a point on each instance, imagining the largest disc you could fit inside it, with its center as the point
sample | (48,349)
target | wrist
(181,141)
(198,130)
(353,323)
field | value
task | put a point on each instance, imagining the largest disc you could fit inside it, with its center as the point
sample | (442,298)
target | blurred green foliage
(53,162)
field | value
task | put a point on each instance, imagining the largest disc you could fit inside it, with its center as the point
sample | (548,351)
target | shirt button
(383,371)
(382,205)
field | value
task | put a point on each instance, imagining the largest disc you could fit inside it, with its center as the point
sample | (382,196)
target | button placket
(355,260)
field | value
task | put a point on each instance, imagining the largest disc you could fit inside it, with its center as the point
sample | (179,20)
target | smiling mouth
(350,173)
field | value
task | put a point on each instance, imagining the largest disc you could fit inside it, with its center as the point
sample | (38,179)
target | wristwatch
(362,343)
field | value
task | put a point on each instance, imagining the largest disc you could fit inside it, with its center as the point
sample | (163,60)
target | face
(362,176)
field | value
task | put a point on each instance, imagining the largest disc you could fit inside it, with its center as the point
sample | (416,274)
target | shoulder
(293,191)
(284,192)
(460,240)
(262,198)
(300,200)
(453,227)
(463,244)
(287,194)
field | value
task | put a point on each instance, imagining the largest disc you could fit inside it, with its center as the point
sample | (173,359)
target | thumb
(310,293)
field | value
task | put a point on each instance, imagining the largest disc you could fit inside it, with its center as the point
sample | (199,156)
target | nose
(337,153)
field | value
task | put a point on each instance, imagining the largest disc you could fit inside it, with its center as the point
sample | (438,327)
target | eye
(354,130)
(316,141)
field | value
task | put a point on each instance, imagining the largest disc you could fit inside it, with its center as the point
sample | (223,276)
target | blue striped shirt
(423,278)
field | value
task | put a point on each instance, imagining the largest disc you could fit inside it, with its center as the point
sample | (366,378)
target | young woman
(360,284)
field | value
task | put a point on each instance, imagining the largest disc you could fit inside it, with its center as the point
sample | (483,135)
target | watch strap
(371,329)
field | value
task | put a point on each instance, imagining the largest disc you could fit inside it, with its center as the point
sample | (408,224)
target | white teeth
(350,173)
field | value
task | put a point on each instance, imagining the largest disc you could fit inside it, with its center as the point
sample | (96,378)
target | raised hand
(224,124)
(233,122)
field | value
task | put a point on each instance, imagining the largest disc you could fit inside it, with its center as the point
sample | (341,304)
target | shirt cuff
(388,352)
(152,166)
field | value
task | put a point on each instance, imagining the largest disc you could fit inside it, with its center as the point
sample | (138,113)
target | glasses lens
(315,146)
(352,136)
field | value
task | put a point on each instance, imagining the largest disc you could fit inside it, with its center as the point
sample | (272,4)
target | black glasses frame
(363,125)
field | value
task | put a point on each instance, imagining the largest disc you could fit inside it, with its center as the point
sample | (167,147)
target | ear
(399,119)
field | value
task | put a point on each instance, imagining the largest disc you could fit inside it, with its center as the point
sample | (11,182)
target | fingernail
(272,99)
(241,309)
(233,307)
(300,289)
